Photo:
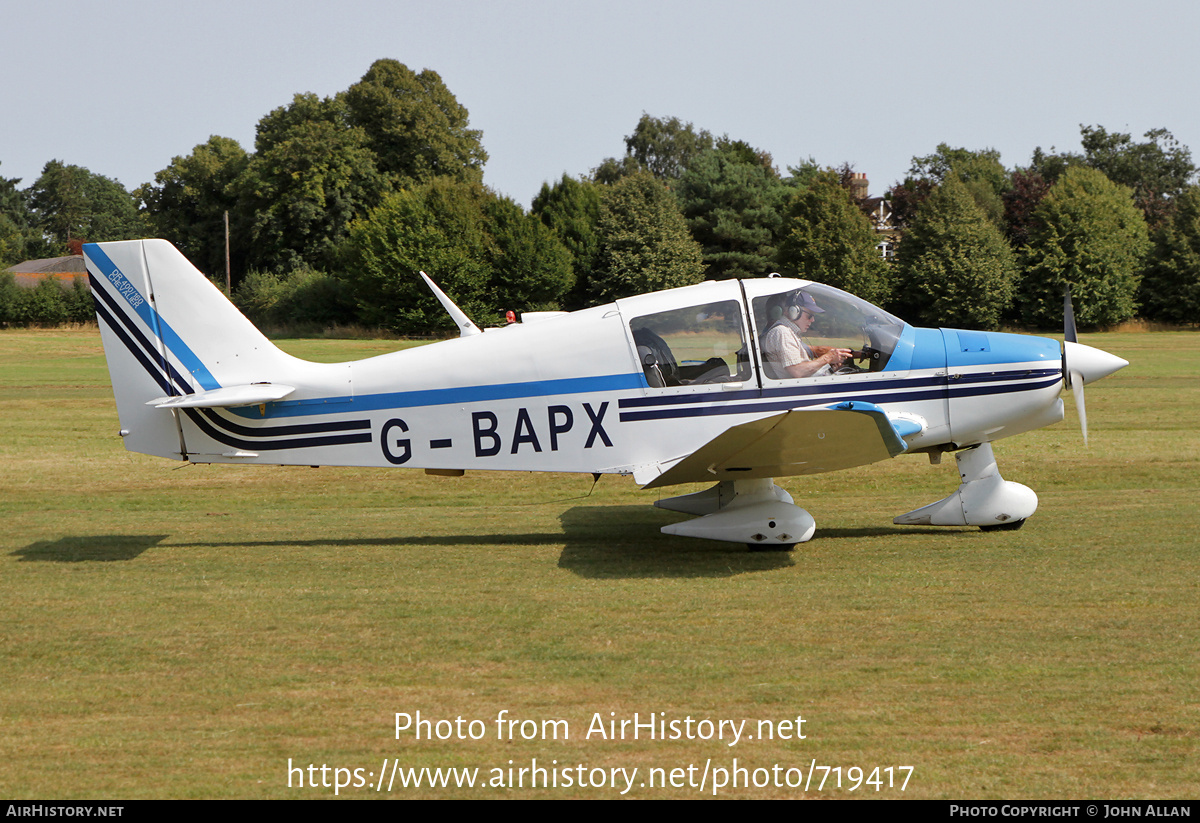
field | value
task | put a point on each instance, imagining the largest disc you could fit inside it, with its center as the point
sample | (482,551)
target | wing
(801,441)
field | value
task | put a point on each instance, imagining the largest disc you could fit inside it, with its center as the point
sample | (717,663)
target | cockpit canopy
(711,338)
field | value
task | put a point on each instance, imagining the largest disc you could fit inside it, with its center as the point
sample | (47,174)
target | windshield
(839,320)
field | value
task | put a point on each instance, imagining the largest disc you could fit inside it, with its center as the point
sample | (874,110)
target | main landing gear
(755,512)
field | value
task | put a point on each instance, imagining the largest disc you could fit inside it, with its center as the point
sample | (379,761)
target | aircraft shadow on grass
(601,541)
(92,548)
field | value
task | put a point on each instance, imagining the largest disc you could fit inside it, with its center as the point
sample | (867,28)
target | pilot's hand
(838,356)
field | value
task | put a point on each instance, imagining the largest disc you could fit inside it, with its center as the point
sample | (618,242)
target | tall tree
(827,238)
(980,171)
(1053,164)
(187,202)
(571,209)
(309,179)
(415,126)
(954,268)
(732,201)
(531,268)
(1157,170)
(16,223)
(644,241)
(665,147)
(1170,290)
(12,202)
(662,146)
(437,227)
(72,203)
(1087,233)
(482,250)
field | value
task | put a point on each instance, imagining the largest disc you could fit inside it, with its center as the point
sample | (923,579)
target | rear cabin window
(692,346)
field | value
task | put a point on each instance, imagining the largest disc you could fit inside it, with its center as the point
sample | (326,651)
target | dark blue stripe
(273,445)
(282,431)
(899,397)
(138,355)
(163,366)
(151,317)
(827,388)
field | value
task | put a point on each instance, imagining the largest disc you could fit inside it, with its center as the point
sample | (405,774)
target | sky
(122,88)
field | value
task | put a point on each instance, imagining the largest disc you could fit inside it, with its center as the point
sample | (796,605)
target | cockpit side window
(693,345)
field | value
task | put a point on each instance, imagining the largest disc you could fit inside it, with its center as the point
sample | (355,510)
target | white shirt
(782,346)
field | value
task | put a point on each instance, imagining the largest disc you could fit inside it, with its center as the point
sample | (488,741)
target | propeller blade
(1069,333)
(1074,378)
(1080,406)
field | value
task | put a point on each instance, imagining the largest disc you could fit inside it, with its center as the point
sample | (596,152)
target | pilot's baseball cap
(803,301)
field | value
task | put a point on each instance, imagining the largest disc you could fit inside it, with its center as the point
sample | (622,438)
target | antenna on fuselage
(465,327)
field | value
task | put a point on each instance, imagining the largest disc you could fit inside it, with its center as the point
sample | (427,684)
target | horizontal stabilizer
(249,395)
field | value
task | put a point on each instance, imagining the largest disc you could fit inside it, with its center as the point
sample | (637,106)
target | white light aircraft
(669,388)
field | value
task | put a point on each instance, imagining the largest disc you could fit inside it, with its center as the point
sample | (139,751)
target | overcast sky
(123,87)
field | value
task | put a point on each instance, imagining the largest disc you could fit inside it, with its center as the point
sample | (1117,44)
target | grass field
(169,630)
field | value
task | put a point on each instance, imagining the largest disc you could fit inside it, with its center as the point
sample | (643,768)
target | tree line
(345,198)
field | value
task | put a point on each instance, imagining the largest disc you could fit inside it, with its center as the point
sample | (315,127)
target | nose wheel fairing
(983,498)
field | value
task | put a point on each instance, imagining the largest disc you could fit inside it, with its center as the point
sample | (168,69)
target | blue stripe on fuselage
(441,397)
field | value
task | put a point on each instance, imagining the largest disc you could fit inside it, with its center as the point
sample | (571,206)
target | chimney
(859,186)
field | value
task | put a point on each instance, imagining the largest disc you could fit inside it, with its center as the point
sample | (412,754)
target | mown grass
(182,631)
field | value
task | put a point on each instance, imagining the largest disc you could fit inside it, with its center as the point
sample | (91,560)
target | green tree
(482,250)
(644,241)
(187,202)
(10,299)
(437,227)
(43,305)
(300,298)
(310,177)
(827,238)
(12,203)
(17,235)
(965,164)
(1087,233)
(415,126)
(571,209)
(732,201)
(954,268)
(1170,289)
(1157,170)
(1053,164)
(531,268)
(980,171)
(72,203)
(663,147)
(12,242)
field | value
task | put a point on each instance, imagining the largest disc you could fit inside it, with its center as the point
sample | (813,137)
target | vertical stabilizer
(167,332)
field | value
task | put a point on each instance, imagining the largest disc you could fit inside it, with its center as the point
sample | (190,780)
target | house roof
(71,264)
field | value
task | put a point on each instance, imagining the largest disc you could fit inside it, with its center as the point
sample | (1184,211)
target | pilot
(785,351)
